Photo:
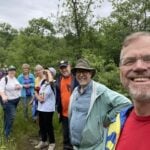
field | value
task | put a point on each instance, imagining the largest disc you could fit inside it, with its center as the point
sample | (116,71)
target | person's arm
(58,99)
(20,80)
(18,85)
(49,76)
(40,94)
(4,97)
(116,103)
(2,90)
(32,84)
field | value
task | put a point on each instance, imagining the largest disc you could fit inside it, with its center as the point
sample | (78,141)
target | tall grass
(5,144)
(24,131)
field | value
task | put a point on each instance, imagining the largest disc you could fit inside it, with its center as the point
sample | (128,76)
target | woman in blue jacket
(26,79)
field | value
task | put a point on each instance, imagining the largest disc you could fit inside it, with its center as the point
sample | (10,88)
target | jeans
(26,101)
(9,108)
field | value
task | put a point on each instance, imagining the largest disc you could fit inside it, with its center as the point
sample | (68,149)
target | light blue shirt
(104,105)
(80,109)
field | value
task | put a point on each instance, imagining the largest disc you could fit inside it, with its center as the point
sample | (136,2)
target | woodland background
(75,34)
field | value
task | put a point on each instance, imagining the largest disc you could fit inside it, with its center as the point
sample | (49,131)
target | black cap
(63,63)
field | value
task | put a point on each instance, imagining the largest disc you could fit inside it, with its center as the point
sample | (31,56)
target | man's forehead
(143,40)
(141,45)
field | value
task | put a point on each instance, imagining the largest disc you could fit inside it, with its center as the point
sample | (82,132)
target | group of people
(29,88)
(93,116)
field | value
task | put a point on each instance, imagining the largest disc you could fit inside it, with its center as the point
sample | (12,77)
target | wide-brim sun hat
(84,65)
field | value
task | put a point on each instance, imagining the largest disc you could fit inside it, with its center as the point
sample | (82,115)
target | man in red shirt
(65,84)
(135,77)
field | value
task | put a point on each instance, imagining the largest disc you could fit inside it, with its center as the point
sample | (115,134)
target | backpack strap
(6,80)
(43,81)
(53,88)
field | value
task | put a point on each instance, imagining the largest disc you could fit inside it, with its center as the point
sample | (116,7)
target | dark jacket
(74,83)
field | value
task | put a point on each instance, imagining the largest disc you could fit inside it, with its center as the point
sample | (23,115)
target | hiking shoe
(51,146)
(41,145)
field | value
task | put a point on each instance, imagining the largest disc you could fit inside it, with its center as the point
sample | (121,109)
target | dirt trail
(29,143)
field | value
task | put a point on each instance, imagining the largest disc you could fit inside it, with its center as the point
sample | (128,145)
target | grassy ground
(25,133)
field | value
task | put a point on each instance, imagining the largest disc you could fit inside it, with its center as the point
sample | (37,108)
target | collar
(86,88)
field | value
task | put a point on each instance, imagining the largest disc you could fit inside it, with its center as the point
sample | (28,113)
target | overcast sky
(19,12)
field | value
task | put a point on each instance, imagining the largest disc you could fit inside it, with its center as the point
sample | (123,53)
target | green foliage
(25,131)
(41,42)
(5,144)
(76,35)
(107,73)
(7,33)
(127,17)
(133,13)
(41,27)
(77,22)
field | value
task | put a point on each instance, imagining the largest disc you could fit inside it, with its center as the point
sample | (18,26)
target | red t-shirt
(135,134)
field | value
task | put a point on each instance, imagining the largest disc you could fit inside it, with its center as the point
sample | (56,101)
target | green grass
(25,131)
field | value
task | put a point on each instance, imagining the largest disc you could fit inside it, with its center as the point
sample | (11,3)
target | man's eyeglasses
(82,71)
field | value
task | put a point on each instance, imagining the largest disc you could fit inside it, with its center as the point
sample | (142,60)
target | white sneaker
(51,146)
(41,145)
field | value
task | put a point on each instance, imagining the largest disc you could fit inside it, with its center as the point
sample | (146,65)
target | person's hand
(37,89)
(49,75)
(41,98)
(4,98)
(26,86)
(17,87)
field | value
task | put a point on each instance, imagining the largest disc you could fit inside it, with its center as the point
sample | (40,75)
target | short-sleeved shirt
(135,134)
(9,87)
(49,99)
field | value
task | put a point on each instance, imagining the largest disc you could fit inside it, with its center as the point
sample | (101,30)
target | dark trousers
(9,108)
(46,126)
(25,101)
(66,135)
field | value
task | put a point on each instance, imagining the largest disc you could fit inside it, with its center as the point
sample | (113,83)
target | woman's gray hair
(38,67)
(25,66)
